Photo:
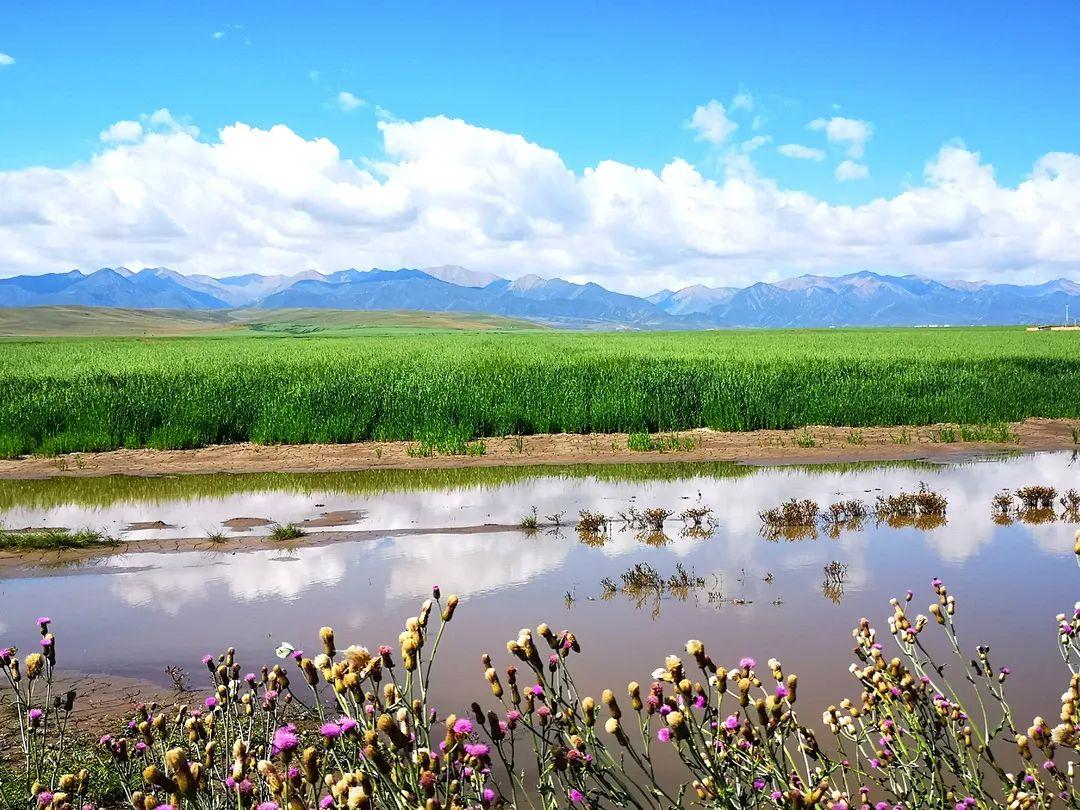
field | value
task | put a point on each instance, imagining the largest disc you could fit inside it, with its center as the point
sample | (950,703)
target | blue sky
(591,81)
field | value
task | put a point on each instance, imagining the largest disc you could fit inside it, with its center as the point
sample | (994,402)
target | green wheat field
(295,385)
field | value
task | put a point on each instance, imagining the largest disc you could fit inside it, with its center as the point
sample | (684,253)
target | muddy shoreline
(802,446)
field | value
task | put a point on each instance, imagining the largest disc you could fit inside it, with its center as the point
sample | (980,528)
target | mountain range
(858,299)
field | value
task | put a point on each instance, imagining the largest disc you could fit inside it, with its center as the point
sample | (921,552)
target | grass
(670,443)
(85,394)
(286,531)
(53,539)
(997,433)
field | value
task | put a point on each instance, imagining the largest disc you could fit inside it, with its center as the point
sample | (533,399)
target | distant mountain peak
(859,298)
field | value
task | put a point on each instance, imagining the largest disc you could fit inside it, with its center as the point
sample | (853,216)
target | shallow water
(134,614)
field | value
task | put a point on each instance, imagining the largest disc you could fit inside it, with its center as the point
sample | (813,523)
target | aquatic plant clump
(355,727)
(443,390)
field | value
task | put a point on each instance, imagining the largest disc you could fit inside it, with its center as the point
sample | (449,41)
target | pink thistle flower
(326,801)
(208,661)
(463,726)
(576,796)
(43,622)
(664,734)
(732,722)
(747,663)
(759,784)
(285,740)
(44,799)
(489,795)
(268,806)
(781,691)
(477,750)
(210,703)
(331,731)
(347,724)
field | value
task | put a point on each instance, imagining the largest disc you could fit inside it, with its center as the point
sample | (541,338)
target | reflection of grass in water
(45,493)
(105,490)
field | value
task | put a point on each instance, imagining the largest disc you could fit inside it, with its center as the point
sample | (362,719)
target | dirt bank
(809,445)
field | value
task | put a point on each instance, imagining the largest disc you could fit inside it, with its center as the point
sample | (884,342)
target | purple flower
(489,795)
(44,799)
(298,655)
(210,703)
(331,731)
(250,679)
(747,663)
(463,726)
(44,621)
(347,724)
(35,715)
(476,749)
(268,806)
(781,691)
(576,796)
(326,801)
(732,722)
(699,702)
(759,784)
(46,642)
(664,734)
(207,660)
(875,763)
(537,690)
(285,741)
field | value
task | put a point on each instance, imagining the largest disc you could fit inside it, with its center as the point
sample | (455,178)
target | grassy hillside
(61,395)
(104,321)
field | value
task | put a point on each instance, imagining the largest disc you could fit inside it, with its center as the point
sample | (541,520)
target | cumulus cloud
(442,191)
(122,132)
(848,132)
(800,152)
(347,102)
(6,60)
(850,170)
(711,123)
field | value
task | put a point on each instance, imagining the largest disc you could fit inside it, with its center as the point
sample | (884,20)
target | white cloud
(162,120)
(444,191)
(217,35)
(711,123)
(122,132)
(348,102)
(849,132)
(800,152)
(6,60)
(850,170)
(742,101)
(755,143)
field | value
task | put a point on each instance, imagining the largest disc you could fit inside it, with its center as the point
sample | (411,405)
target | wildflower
(747,663)
(664,734)
(268,806)
(781,691)
(208,662)
(347,724)
(477,750)
(285,741)
(463,726)
(489,795)
(35,715)
(732,722)
(576,796)
(331,731)
(211,703)
(759,784)
(43,622)
(326,802)
(44,799)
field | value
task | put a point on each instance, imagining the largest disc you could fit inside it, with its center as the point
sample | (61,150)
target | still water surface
(133,614)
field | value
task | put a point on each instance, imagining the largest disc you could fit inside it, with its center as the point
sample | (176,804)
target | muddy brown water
(132,614)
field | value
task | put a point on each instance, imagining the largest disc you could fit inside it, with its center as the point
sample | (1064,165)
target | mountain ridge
(863,298)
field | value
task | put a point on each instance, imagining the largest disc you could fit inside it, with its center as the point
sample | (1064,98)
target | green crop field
(59,395)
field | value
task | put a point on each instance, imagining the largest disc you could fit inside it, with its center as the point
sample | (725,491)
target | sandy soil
(830,444)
